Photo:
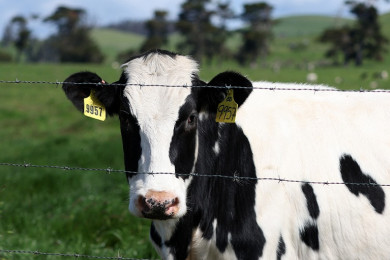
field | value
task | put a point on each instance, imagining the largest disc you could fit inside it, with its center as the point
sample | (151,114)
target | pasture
(83,212)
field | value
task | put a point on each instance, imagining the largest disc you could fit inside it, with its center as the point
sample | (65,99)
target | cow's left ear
(107,94)
(210,97)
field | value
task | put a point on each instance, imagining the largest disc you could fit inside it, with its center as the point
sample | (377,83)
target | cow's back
(320,136)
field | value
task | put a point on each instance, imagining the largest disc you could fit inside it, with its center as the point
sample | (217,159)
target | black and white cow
(296,135)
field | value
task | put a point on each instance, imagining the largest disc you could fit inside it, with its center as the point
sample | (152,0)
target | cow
(300,174)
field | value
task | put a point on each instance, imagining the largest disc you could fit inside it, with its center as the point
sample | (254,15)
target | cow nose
(158,205)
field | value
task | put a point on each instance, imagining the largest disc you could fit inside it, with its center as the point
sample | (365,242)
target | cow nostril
(175,202)
(143,204)
(151,202)
(172,207)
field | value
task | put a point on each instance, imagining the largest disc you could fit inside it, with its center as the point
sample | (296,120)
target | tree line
(203,26)
(71,43)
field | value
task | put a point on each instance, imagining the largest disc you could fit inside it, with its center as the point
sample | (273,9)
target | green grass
(51,210)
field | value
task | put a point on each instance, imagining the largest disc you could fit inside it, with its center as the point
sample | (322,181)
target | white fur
(156,110)
(300,135)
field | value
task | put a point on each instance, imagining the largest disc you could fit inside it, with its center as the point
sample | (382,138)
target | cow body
(305,136)
(320,137)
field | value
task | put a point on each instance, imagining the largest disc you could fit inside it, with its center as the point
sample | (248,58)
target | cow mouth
(156,215)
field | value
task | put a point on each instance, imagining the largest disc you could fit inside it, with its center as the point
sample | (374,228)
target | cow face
(159,125)
(165,119)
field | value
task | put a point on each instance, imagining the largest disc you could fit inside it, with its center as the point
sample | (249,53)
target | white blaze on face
(156,110)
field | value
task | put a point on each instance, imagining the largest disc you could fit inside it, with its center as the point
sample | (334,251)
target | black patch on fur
(311,200)
(183,143)
(131,140)
(281,249)
(352,173)
(155,236)
(309,235)
(230,203)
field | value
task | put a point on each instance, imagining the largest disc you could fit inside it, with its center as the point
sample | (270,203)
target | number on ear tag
(227,109)
(94,108)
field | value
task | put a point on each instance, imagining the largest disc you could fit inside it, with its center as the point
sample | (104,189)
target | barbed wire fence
(234,178)
(73,255)
(304,87)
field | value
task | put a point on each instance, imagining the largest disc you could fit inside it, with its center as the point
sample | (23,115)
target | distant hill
(112,41)
(385,22)
(296,26)
(287,30)
(137,27)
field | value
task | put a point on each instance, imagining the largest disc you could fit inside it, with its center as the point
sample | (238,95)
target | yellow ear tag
(94,108)
(227,109)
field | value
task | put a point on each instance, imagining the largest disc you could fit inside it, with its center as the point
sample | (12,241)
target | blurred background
(344,44)
(272,35)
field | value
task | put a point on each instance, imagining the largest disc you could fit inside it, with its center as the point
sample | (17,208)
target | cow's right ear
(107,94)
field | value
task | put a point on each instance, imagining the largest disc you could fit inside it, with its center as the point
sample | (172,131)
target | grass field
(53,210)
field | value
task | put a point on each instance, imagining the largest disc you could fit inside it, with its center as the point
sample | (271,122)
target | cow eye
(191,121)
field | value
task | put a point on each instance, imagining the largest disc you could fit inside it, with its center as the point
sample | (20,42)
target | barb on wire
(272,88)
(75,255)
(235,177)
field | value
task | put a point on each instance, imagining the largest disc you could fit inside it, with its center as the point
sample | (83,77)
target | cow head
(159,125)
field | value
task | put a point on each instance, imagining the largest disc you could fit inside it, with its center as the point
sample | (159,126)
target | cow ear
(210,97)
(107,94)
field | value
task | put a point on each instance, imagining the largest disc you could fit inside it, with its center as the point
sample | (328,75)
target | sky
(103,12)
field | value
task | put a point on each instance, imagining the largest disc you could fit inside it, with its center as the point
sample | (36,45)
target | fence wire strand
(306,88)
(235,178)
(74,255)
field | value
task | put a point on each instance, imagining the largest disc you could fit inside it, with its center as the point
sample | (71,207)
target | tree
(259,33)
(72,41)
(222,13)
(17,33)
(157,31)
(341,43)
(202,37)
(363,40)
(195,25)
(369,39)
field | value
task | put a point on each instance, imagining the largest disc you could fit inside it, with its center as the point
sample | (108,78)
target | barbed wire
(306,88)
(75,255)
(235,177)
